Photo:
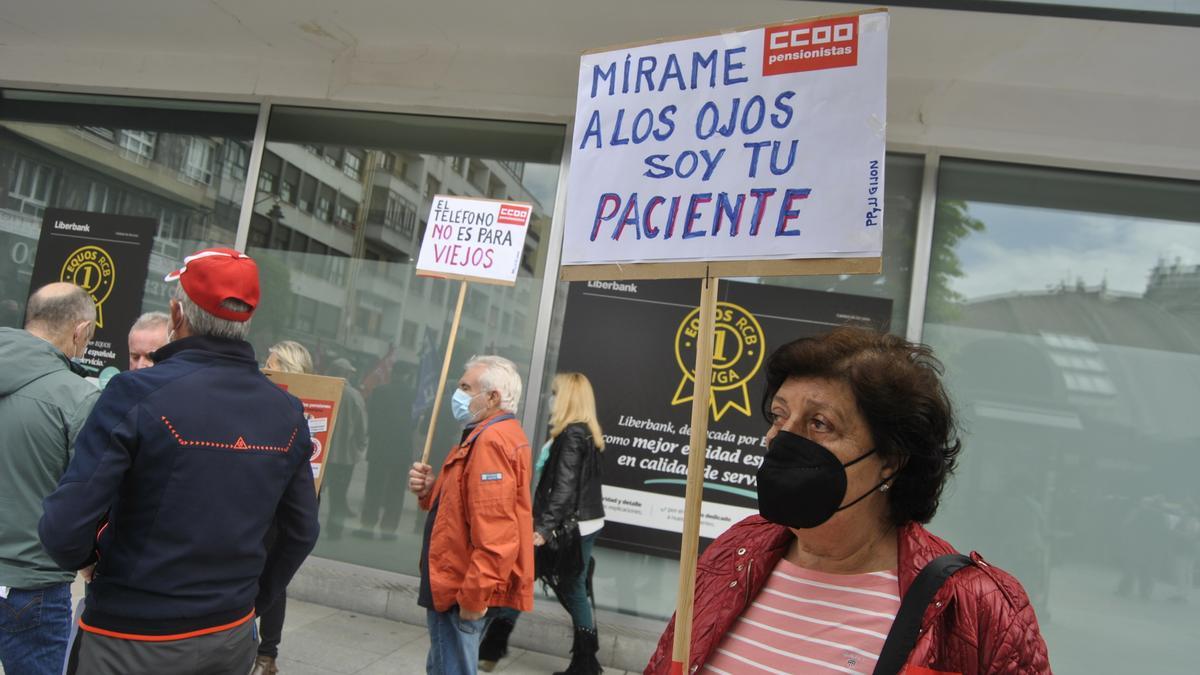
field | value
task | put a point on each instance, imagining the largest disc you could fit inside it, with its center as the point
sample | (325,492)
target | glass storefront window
(338,277)
(902,195)
(167,160)
(1066,306)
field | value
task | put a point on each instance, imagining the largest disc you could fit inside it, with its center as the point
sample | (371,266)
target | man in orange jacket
(478,548)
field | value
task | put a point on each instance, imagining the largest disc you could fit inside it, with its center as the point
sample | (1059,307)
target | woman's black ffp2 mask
(801,483)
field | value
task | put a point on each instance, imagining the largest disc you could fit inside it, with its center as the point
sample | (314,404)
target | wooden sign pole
(441,388)
(689,550)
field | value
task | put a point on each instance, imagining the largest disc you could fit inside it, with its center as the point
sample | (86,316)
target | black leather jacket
(572,475)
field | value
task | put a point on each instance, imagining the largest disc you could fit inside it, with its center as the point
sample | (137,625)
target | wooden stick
(694,499)
(441,388)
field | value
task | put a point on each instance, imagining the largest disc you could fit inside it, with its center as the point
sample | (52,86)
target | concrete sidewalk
(626,642)
(318,639)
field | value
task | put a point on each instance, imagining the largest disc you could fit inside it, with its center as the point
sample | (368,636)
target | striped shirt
(811,622)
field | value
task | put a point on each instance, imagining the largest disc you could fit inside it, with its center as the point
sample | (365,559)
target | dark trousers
(387,483)
(270,624)
(270,628)
(337,493)
(227,652)
(573,593)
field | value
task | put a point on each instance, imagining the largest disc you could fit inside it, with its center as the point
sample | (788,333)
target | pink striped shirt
(811,622)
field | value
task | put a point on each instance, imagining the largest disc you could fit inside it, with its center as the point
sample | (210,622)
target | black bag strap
(903,635)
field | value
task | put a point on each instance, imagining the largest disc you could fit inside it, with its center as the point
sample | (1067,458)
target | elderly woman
(862,440)
(287,356)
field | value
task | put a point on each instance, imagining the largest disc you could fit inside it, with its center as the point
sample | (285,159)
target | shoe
(583,654)
(264,665)
(494,645)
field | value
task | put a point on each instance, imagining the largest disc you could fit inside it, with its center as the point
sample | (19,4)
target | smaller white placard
(475,239)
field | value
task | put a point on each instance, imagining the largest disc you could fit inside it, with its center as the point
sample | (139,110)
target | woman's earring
(884,487)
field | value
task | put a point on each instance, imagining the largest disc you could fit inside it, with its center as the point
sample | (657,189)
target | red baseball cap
(214,275)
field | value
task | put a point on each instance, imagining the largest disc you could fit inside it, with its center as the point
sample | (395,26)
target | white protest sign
(764,144)
(474,239)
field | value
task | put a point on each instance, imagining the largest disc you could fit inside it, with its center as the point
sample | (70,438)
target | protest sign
(470,239)
(474,239)
(106,255)
(764,144)
(745,153)
(321,396)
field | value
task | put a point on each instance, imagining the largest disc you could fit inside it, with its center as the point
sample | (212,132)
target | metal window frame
(1047,9)
(923,250)
(545,311)
(253,169)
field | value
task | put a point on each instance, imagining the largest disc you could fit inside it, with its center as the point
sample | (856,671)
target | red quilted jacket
(979,623)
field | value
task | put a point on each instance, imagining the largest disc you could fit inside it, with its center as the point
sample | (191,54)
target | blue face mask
(460,405)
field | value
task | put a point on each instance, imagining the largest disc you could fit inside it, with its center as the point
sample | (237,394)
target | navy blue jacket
(177,474)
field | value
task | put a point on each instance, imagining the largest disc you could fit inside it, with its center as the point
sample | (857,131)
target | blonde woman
(569,490)
(287,357)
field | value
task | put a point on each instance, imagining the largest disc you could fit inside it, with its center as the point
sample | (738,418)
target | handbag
(561,557)
(907,626)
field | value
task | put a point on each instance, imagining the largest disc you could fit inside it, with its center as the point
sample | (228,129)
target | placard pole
(441,388)
(694,499)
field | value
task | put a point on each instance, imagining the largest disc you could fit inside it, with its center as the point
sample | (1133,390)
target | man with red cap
(177,474)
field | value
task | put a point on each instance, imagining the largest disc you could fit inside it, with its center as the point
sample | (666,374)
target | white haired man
(148,333)
(478,547)
(177,474)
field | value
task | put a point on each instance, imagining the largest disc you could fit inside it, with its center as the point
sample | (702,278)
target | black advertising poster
(106,255)
(635,341)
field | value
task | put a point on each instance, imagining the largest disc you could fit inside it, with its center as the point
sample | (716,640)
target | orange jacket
(481,546)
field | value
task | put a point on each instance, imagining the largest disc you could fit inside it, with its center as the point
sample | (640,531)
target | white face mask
(460,405)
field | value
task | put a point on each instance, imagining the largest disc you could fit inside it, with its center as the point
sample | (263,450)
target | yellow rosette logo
(91,268)
(737,356)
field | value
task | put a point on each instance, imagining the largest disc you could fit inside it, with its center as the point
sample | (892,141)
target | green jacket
(43,404)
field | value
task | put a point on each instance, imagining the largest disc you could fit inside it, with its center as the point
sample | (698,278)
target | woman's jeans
(572,593)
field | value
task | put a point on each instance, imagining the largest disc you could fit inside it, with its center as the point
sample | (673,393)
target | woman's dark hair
(897,385)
